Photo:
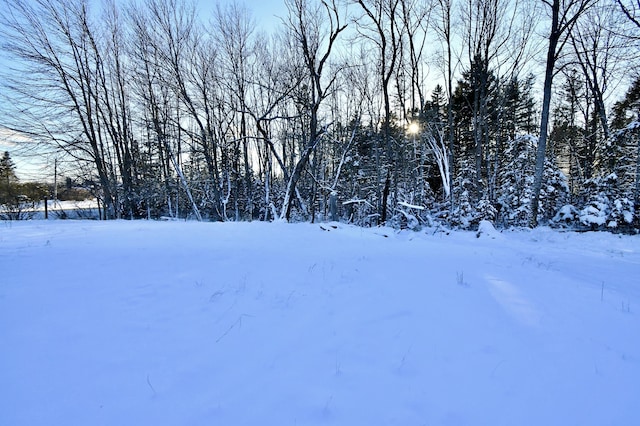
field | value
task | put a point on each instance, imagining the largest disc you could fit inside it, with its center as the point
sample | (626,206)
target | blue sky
(265,12)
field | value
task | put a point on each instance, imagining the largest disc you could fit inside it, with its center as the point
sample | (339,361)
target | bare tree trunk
(544,121)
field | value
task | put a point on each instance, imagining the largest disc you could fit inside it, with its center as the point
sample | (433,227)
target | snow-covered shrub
(622,213)
(414,206)
(405,220)
(468,214)
(568,215)
(19,208)
(360,212)
(606,207)
(595,212)
(486,229)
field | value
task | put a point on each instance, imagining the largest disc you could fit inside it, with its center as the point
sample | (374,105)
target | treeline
(15,196)
(22,200)
(399,112)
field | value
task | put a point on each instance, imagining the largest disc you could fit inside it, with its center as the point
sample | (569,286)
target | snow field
(183,323)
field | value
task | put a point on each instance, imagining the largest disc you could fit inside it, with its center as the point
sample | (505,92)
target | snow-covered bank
(183,323)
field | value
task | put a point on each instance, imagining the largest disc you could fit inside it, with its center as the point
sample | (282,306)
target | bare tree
(233,28)
(113,78)
(564,15)
(599,49)
(274,76)
(416,18)
(158,107)
(306,23)
(60,83)
(188,62)
(381,25)
(415,36)
(631,9)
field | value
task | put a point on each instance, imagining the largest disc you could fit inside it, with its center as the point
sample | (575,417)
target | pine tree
(435,110)
(8,179)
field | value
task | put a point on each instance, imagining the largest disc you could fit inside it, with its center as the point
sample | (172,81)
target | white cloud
(11,139)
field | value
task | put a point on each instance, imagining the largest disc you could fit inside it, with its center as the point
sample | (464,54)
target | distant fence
(51,210)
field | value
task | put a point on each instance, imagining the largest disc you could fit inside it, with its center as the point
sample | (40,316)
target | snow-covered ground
(184,323)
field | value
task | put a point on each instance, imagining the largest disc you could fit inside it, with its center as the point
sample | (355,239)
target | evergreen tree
(516,113)
(619,155)
(435,110)
(515,184)
(607,207)
(525,108)
(628,109)
(8,179)
(621,152)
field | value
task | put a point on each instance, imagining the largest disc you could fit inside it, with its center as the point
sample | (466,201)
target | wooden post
(46,209)
(55,182)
